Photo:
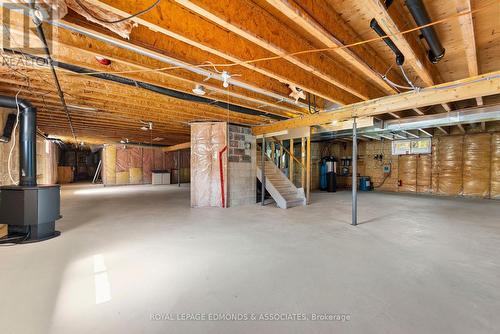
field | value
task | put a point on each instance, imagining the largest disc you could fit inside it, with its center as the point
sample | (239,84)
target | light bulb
(225,84)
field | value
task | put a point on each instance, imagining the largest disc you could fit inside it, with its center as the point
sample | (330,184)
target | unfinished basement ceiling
(203,35)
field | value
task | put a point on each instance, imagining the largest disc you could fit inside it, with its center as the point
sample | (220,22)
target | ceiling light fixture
(199,90)
(148,126)
(225,76)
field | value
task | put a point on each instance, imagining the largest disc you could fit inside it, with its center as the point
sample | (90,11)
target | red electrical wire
(221,169)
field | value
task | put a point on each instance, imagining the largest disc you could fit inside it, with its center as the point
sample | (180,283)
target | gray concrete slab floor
(137,259)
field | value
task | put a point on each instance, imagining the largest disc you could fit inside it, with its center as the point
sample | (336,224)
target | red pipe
(221,168)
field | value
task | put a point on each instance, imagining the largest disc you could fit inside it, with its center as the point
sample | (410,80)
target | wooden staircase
(282,190)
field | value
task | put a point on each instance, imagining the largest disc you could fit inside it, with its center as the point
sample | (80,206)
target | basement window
(412,146)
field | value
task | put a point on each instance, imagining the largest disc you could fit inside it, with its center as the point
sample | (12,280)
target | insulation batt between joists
(57,9)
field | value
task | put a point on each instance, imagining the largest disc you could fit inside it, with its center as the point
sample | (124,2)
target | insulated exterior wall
(207,187)
(495,166)
(450,165)
(435,165)
(459,165)
(129,164)
(109,164)
(408,173)
(424,173)
(147,165)
(122,161)
(477,156)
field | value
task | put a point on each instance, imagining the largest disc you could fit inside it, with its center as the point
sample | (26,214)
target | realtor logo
(19,27)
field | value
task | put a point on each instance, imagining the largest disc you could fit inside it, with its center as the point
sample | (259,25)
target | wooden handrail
(287,151)
(301,165)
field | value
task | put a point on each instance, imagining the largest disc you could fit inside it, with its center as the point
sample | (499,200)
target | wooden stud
(442,130)
(308,168)
(303,161)
(291,162)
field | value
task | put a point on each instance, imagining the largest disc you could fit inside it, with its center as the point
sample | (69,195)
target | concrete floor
(129,254)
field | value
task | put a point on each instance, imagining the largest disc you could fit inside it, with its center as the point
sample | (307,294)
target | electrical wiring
(13,145)
(12,241)
(41,36)
(309,51)
(408,79)
(82,6)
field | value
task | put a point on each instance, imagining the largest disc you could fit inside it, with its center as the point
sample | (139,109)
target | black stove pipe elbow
(400,58)
(421,17)
(27,138)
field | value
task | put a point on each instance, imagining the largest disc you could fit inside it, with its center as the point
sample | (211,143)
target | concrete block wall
(242,170)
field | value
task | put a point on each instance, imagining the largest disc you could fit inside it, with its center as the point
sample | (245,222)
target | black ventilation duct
(421,17)
(7,130)
(400,58)
(29,210)
(27,139)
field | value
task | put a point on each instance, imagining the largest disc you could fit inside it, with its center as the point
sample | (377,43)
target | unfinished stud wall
(128,164)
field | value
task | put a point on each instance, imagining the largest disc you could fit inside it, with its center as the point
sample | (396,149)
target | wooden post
(303,160)
(308,168)
(280,163)
(290,162)
(273,150)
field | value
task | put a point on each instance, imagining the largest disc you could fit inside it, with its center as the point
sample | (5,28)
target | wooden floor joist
(483,85)
(204,35)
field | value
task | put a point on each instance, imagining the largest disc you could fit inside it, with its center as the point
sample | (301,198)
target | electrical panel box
(387,169)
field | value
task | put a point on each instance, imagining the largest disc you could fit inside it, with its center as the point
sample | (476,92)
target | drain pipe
(400,58)
(27,138)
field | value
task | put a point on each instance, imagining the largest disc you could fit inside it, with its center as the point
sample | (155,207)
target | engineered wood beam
(482,85)
(80,50)
(111,96)
(329,28)
(187,27)
(442,130)
(469,39)
(178,147)
(253,23)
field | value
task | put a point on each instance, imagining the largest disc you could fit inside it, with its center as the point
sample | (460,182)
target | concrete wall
(241,166)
